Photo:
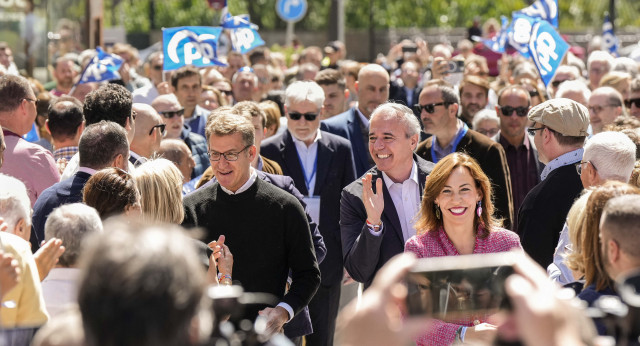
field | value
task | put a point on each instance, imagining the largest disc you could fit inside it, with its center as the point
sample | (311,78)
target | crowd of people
(143,199)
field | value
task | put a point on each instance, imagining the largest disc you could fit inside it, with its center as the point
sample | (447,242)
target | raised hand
(47,256)
(373,202)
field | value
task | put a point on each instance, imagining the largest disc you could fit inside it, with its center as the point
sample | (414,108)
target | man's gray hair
(573,85)
(71,223)
(612,153)
(304,91)
(485,114)
(403,113)
(14,201)
(600,55)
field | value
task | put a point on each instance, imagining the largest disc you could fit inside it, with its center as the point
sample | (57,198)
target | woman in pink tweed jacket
(456,218)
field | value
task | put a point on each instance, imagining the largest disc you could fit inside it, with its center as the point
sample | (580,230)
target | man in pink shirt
(29,162)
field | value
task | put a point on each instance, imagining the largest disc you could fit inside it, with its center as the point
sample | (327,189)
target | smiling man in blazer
(320,165)
(377,212)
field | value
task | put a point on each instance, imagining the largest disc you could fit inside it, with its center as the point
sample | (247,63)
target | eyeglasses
(225,92)
(488,132)
(230,156)
(520,111)
(35,102)
(533,93)
(579,166)
(598,109)
(171,114)
(532,130)
(630,102)
(159,126)
(307,116)
(430,108)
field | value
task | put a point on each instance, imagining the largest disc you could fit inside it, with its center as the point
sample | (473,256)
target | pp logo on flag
(190,46)
(548,49)
(96,70)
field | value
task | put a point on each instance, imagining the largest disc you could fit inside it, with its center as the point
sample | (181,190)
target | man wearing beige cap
(559,130)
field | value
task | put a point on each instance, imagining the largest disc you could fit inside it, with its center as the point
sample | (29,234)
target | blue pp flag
(547,48)
(32,136)
(102,67)
(245,39)
(543,9)
(190,45)
(519,33)
(609,37)
(499,41)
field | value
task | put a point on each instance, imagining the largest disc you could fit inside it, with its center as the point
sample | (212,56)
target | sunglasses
(157,67)
(160,126)
(307,116)
(556,83)
(532,130)
(630,102)
(533,93)
(430,108)
(520,111)
(171,114)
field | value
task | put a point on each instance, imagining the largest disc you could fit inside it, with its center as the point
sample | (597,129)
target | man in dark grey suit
(320,165)
(377,212)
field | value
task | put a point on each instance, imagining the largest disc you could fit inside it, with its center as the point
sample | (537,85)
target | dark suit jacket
(334,172)
(65,192)
(363,252)
(544,212)
(300,324)
(398,94)
(347,125)
(493,161)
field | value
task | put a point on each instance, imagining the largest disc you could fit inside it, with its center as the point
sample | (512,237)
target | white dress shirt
(406,199)
(308,156)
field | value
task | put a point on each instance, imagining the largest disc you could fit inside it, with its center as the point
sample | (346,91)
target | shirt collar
(364,119)
(298,142)
(413,176)
(562,160)
(252,179)
(449,148)
(87,170)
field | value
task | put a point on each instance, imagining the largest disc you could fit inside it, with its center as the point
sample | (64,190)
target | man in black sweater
(559,131)
(265,227)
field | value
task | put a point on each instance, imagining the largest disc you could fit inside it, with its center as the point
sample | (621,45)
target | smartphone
(409,49)
(455,66)
(456,288)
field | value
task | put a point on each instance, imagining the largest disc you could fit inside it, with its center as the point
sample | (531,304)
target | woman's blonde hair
(160,184)
(576,220)
(436,181)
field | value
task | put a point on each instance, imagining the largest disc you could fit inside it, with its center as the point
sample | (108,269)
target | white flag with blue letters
(190,45)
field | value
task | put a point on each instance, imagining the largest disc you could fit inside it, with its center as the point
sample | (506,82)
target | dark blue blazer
(347,125)
(398,94)
(363,252)
(334,172)
(301,323)
(65,192)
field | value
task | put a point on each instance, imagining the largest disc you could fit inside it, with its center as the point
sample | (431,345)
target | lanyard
(307,181)
(455,143)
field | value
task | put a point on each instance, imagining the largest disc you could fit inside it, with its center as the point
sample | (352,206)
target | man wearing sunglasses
(559,130)
(439,105)
(149,132)
(320,165)
(605,105)
(513,106)
(633,102)
(172,114)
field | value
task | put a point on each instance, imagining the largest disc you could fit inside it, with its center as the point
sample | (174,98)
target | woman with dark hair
(456,218)
(112,191)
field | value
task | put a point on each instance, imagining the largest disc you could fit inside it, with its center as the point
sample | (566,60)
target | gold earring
(437,211)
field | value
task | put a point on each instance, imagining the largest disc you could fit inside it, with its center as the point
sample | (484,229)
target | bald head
(148,132)
(372,87)
(178,152)
(166,102)
(172,114)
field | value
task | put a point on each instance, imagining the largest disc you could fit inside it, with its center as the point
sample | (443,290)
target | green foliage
(574,14)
